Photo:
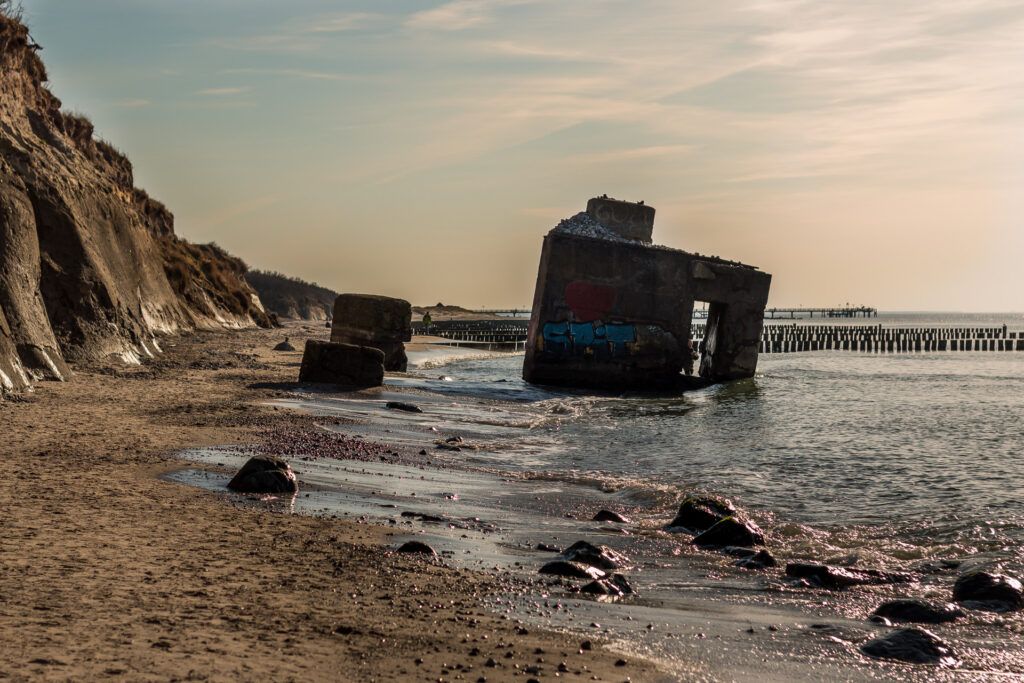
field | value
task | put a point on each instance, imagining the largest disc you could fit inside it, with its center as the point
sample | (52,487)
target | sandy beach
(109,571)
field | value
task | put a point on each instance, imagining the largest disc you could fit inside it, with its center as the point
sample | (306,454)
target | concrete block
(380,322)
(342,364)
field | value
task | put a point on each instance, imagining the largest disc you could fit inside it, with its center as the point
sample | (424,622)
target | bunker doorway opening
(705,345)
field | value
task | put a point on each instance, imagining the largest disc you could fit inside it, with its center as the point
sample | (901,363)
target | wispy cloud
(295,42)
(755,118)
(451,16)
(223,92)
(303,34)
(630,153)
(304,74)
(341,23)
(846,89)
(458,15)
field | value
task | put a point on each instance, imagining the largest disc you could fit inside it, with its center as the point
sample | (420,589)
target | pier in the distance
(838,312)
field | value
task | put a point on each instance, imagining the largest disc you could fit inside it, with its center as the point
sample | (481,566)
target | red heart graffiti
(589,301)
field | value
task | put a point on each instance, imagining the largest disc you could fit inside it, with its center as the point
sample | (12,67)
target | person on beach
(427,320)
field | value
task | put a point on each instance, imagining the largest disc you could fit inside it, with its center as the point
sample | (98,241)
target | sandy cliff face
(89,265)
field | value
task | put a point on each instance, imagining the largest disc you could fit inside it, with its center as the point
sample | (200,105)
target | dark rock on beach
(425,517)
(609,516)
(264,474)
(600,556)
(417,548)
(342,364)
(759,560)
(615,585)
(937,566)
(572,570)
(699,513)
(730,531)
(284,346)
(407,407)
(996,592)
(912,645)
(918,611)
(827,576)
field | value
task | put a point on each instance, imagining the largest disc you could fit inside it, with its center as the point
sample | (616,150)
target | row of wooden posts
(778,338)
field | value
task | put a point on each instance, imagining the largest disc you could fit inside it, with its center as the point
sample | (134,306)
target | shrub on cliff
(292,297)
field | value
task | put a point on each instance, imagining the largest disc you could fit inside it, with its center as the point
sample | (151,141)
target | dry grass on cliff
(12,10)
(200,273)
(289,296)
(17,49)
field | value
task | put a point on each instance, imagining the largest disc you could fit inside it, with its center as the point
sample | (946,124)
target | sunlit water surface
(888,461)
(922,453)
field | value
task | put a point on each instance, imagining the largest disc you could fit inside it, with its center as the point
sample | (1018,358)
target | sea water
(924,451)
(890,461)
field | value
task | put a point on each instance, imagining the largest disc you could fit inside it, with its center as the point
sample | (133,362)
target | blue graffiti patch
(618,336)
(583,334)
(594,338)
(556,338)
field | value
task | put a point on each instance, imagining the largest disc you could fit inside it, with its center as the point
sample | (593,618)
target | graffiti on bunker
(595,338)
(588,300)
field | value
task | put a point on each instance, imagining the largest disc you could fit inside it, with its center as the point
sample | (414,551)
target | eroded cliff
(89,265)
(291,297)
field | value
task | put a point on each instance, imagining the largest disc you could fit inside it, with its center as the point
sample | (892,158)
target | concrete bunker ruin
(613,311)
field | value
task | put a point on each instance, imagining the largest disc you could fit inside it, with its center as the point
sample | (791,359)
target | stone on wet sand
(264,474)
(918,611)
(759,560)
(996,592)
(609,516)
(399,405)
(828,576)
(615,585)
(911,645)
(417,548)
(342,364)
(571,570)
(600,556)
(284,346)
(730,531)
(700,513)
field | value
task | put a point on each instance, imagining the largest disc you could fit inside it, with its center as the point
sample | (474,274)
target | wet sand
(694,612)
(708,620)
(109,570)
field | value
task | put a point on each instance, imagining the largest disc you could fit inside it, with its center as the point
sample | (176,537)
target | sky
(868,152)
